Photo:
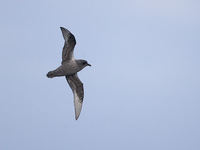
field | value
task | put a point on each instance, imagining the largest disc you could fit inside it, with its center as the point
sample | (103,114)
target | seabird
(69,68)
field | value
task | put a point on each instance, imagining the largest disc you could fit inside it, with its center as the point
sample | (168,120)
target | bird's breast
(70,67)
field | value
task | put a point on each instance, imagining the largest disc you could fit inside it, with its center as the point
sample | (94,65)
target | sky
(141,93)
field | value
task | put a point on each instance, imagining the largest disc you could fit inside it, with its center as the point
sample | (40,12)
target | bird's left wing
(70,42)
(77,89)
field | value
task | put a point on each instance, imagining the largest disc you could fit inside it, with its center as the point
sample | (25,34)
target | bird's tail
(50,74)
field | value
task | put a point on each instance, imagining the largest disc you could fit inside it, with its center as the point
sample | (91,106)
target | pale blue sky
(141,93)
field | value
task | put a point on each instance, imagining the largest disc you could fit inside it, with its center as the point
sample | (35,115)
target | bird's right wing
(77,89)
(70,42)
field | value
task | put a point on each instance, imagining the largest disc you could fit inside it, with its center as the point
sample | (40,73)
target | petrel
(69,68)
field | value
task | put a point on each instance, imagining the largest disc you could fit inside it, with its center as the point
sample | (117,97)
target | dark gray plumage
(69,68)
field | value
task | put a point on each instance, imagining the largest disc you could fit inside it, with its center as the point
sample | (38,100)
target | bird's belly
(66,69)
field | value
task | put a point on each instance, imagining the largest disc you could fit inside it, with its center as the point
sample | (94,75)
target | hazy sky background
(141,93)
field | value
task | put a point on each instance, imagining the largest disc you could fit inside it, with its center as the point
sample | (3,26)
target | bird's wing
(70,42)
(77,89)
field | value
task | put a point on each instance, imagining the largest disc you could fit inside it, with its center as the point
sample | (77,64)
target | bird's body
(69,68)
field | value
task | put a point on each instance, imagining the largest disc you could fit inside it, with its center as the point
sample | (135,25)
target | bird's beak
(89,65)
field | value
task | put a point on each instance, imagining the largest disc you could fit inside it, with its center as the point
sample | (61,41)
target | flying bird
(69,68)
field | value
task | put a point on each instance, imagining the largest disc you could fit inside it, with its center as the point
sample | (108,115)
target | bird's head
(83,63)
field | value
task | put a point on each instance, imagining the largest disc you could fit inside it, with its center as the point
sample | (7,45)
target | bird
(69,68)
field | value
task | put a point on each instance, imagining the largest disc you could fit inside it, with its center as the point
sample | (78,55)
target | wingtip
(66,34)
(62,28)
(77,113)
(77,105)
(76,117)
